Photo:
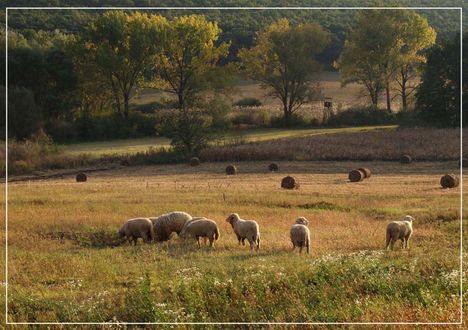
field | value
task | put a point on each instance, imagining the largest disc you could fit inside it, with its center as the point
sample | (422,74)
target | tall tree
(188,65)
(417,36)
(438,96)
(284,59)
(383,46)
(123,46)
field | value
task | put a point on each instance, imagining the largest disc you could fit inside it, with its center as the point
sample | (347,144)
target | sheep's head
(408,218)
(302,221)
(232,218)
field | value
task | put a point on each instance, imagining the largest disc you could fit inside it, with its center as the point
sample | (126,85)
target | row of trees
(119,53)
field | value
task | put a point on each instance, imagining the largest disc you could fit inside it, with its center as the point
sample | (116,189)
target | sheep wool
(137,228)
(399,230)
(300,234)
(201,227)
(169,223)
(245,230)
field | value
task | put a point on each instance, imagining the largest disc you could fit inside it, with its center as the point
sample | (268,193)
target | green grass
(131,146)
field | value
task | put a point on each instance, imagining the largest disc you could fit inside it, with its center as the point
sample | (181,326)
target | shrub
(153,107)
(362,116)
(248,102)
(294,121)
(219,108)
(251,118)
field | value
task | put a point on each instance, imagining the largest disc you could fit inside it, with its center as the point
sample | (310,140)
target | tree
(188,65)
(438,96)
(382,44)
(417,36)
(123,46)
(284,59)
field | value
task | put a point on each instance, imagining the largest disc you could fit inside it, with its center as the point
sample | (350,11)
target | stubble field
(65,265)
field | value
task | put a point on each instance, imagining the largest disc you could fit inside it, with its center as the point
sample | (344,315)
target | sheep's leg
(294,247)
(300,249)
(251,245)
(198,241)
(407,242)
(392,243)
(204,240)
(308,249)
(387,244)
(211,241)
(243,241)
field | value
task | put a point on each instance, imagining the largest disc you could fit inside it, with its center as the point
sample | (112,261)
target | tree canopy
(284,59)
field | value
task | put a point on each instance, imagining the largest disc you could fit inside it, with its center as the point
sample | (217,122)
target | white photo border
(460,9)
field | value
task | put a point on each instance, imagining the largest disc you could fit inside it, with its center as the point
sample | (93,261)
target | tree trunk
(116,95)
(404,103)
(389,102)
(126,100)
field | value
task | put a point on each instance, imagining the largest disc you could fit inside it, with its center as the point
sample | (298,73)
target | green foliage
(123,46)
(362,117)
(438,97)
(248,102)
(191,132)
(284,60)
(24,115)
(373,56)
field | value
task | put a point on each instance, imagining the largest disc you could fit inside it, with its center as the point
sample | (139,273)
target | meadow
(65,265)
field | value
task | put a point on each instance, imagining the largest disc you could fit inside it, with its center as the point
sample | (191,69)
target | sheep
(168,223)
(245,229)
(300,234)
(400,230)
(201,227)
(136,228)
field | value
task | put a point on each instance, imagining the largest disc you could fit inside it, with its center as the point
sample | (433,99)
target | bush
(218,108)
(156,106)
(248,102)
(294,121)
(362,116)
(251,118)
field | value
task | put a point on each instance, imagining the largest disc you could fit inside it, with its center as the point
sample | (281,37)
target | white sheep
(400,230)
(245,229)
(201,227)
(300,234)
(137,228)
(168,223)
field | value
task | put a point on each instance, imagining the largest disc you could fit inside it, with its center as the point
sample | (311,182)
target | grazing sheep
(168,223)
(400,230)
(201,227)
(245,229)
(300,234)
(136,228)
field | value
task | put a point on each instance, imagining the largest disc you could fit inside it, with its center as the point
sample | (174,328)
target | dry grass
(420,143)
(59,271)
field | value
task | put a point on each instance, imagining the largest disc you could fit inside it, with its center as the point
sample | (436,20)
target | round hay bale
(273,167)
(194,161)
(356,176)
(231,170)
(366,171)
(405,159)
(81,177)
(289,182)
(449,181)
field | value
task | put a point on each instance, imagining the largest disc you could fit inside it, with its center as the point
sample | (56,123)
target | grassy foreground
(67,268)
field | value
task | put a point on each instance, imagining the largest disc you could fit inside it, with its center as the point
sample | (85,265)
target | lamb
(136,228)
(300,234)
(400,230)
(201,227)
(245,229)
(166,224)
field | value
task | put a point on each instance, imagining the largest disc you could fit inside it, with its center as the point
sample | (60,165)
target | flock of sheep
(160,228)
